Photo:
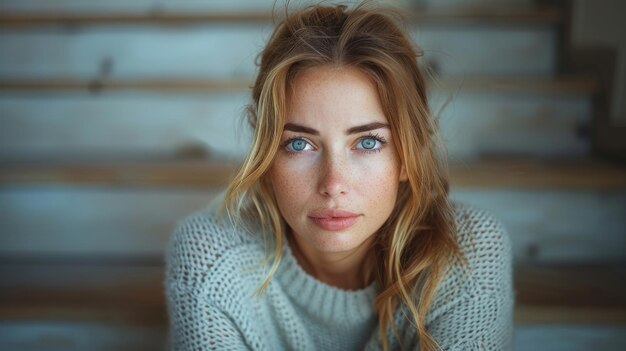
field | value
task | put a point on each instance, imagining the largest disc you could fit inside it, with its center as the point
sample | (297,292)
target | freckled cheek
(290,179)
(379,189)
(378,178)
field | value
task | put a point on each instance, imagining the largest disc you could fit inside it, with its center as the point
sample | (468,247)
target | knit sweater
(213,270)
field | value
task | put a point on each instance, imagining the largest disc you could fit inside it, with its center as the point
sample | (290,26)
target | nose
(334,177)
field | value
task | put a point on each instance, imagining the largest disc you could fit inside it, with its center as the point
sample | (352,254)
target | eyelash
(290,140)
(379,138)
(376,137)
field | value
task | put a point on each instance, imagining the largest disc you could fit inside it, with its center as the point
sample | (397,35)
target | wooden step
(132,293)
(581,85)
(158,85)
(111,291)
(485,15)
(487,173)
(228,50)
(577,85)
(586,294)
(136,173)
(534,173)
(81,336)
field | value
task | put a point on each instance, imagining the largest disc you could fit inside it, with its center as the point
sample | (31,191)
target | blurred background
(118,118)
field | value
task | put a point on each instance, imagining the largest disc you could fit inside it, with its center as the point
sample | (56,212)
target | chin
(337,242)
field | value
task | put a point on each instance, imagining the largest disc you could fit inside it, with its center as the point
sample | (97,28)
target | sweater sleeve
(480,315)
(196,322)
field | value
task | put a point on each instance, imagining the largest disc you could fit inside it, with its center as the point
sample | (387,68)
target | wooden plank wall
(119,118)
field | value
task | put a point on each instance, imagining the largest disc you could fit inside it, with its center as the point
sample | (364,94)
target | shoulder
(473,304)
(474,221)
(485,245)
(486,249)
(199,243)
(481,236)
(211,273)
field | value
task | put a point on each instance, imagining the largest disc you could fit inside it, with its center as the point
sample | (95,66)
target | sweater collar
(328,303)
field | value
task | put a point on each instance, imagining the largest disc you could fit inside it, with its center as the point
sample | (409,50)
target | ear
(403,175)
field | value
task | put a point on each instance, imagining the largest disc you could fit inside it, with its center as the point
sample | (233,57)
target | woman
(339,233)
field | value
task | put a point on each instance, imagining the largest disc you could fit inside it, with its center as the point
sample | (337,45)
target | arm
(196,321)
(197,324)
(480,317)
(479,322)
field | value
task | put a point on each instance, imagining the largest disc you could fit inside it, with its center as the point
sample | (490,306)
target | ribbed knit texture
(214,269)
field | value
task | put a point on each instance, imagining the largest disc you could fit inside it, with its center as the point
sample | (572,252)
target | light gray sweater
(214,269)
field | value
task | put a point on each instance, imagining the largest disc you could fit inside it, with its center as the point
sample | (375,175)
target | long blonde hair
(417,242)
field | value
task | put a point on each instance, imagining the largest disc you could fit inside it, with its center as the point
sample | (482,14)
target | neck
(344,270)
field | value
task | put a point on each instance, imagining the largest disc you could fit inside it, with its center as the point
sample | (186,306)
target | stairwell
(119,118)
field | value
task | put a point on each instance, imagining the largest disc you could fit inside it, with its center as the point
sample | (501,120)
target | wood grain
(581,85)
(490,15)
(133,293)
(487,173)
(137,173)
(535,173)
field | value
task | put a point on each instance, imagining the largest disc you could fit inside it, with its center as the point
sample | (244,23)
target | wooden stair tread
(133,294)
(533,173)
(575,293)
(137,173)
(124,292)
(569,315)
(577,285)
(489,15)
(538,85)
(488,173)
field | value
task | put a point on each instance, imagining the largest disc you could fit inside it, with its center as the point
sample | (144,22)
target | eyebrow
(367,127)
(353,130)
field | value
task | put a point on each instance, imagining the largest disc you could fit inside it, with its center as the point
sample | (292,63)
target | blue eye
(297,145)
(368,143)
(371,143)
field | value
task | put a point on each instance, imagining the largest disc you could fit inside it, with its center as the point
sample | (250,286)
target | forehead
(335,95)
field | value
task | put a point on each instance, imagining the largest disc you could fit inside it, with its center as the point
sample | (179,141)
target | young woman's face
(336,174)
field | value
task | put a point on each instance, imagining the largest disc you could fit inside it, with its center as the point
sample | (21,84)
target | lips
(333,219)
